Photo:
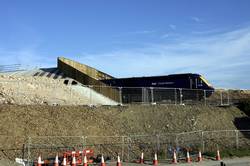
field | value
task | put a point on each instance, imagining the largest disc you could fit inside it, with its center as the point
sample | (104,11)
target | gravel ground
(19,122)
(37,90)
(245,161)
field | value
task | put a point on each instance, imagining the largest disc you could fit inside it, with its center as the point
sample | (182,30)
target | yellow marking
(204,80)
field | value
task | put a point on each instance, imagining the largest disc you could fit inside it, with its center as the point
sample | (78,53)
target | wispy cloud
(196,19)
(208,32)
(27,57)
(172,26)
(142,32)
(138,32)
(223,58)
(166,35)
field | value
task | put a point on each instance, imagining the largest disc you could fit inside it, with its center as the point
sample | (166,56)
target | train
(185,81)
(193,86)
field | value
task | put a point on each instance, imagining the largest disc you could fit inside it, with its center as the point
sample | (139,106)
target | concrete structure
(88,76)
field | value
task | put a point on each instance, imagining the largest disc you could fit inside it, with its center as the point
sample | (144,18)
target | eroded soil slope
(84,120)
(19,122)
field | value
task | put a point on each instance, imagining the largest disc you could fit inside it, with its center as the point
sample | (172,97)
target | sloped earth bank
(5,162)
(19,122)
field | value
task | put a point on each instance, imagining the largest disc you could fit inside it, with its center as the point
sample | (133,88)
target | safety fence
(182,96)
(128,147)
(77,93)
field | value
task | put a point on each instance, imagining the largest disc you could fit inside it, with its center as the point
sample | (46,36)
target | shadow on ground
(243,123)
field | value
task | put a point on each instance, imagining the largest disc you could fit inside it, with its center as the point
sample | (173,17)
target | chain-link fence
(72,93)
(158,95)
(128,147)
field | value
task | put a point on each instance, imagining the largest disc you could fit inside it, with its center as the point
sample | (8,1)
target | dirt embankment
(27,90)
(84,120)
(19,122)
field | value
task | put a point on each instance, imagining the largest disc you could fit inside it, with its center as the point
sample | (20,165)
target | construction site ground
(43,120)
(40,120)
(42,106)
(244,161)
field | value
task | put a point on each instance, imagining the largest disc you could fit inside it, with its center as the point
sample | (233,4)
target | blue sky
(132,37)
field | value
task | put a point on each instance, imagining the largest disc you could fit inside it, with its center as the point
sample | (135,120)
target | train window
(200,81)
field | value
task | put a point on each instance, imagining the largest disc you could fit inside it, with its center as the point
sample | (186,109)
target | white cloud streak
(223,58)
(27,57)
(139,32)
(196,19)
(172,26)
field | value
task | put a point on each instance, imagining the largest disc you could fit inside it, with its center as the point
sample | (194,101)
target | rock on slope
(30,90)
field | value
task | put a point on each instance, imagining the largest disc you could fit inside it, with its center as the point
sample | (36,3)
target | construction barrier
(72,160)
(39,161)
(142,158)
(85,162)
(64,163)
(188,159)
(118,161)
(155,160)
(199,157)
(103,162)
(174,161)
(56,163)
(218,158)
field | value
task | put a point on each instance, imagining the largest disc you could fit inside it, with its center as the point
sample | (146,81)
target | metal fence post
(28,157)
(181,96)
(24,150)
(202,141)
(129,142)
(122,155)
(120,95)
(205,98)
(90,95)
(142,94)
(176,141)
(228,102)
(83,141)
(175,96)
(237,139)
(158,143)
(152,95)
(221,98)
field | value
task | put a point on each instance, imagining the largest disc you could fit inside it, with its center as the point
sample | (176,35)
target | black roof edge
(182,74)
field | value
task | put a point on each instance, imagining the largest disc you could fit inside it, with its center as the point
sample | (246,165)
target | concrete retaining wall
(87,76)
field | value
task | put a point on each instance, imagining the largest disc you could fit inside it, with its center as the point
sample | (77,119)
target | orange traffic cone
(142,158)
(218,156)
(85,161)
(64,163)
(188,159)
(118,161)
(73,160)
(199,157)
(155,160)
(174,161)
(39,161)
(56,163)
(103,162)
